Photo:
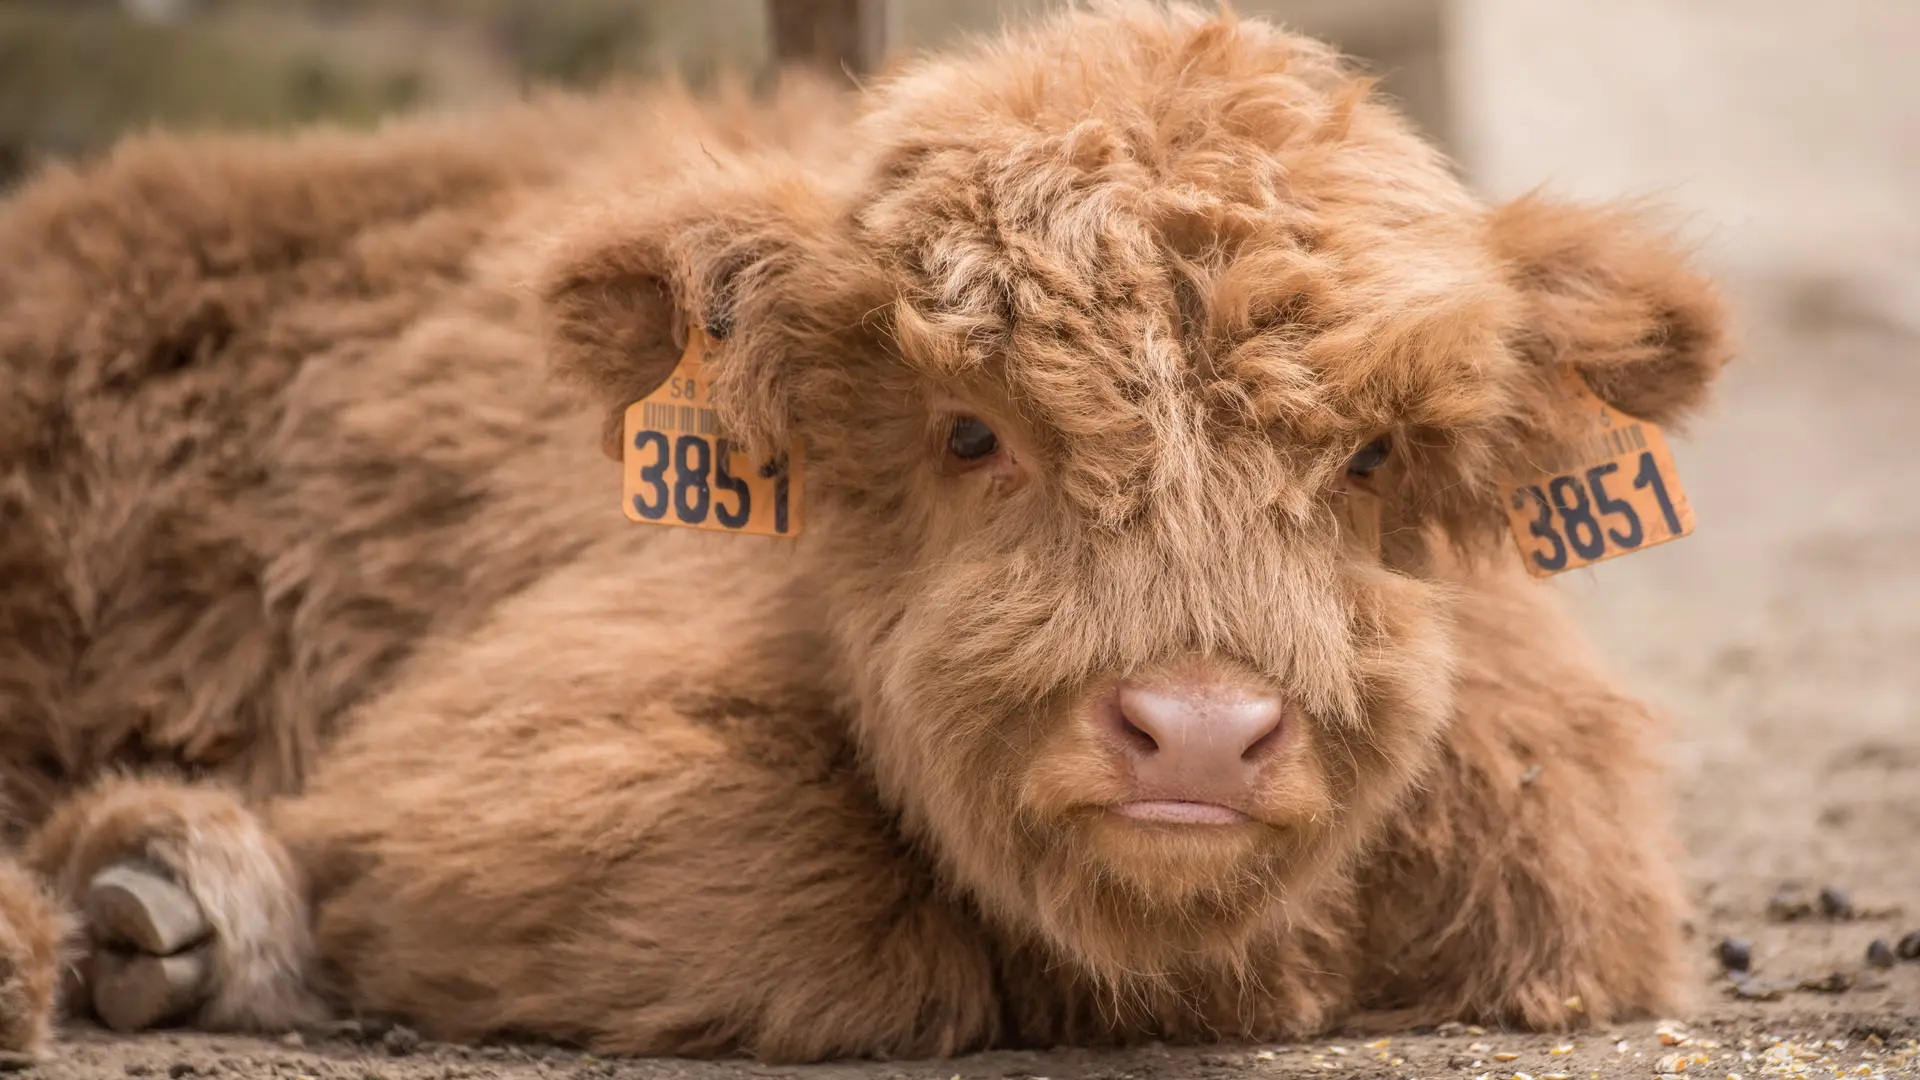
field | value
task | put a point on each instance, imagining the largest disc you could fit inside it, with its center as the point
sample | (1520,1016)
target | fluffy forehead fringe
(1142,218)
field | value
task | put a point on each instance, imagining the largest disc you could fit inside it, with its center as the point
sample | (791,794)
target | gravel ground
(1783,636)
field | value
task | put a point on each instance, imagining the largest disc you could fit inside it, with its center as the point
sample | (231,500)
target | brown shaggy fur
(292,509)
(33,932)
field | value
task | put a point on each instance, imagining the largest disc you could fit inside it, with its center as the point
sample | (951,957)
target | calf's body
(317,606)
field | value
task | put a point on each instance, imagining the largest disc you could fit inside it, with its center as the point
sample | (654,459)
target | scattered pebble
(400,1040)
(1788,904)
(1879,953)
(1450,1029)
(1835,904)
(294,1039)
(1735,954)
(1833,982)
(1909,947)
(1506,1055)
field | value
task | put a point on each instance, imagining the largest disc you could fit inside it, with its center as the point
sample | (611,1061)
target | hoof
(145,969)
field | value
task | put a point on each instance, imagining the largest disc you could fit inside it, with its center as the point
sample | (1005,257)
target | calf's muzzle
(1194,747)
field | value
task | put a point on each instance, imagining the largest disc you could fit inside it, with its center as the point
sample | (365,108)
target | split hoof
(145,969)
(140,910)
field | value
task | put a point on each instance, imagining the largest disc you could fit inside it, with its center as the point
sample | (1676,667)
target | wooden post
(845,36)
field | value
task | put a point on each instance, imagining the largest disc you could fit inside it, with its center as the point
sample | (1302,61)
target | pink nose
(1195,742)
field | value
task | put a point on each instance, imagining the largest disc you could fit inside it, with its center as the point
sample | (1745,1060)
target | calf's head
(1156,383)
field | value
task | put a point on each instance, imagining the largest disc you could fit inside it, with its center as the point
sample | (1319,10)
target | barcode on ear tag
(678,468)
(1615,491)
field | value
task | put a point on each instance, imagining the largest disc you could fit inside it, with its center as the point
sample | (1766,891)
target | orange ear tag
(1615,491)
(677,468)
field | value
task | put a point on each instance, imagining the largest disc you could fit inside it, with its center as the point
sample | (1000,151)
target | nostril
(1263,745)
(1132,735)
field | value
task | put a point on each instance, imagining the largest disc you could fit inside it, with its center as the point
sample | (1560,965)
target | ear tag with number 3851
(678,468)
(1614,491)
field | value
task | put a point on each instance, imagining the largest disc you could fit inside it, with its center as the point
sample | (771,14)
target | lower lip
(1180,813)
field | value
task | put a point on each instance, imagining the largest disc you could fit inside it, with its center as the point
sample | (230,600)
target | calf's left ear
(748,253)
(1604,291)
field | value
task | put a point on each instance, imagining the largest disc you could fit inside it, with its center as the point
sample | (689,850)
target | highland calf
(1146,656)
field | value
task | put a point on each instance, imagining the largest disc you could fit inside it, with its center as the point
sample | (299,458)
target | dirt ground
(1784,636)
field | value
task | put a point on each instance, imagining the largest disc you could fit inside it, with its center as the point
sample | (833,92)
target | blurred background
(1782,136)
(1787,132)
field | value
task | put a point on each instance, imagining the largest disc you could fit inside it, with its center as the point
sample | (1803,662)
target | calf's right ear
(752,255)
(1606,292)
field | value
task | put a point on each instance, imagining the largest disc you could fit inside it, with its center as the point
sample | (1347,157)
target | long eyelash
(1377,453)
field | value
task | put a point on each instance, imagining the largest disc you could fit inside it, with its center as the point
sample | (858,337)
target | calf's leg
(644,884)
(191,911)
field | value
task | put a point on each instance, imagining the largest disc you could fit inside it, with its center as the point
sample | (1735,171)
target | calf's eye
(1371,457)
(971,440)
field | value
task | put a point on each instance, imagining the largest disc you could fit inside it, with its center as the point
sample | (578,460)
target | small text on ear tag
(678,468)
(1613,492)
